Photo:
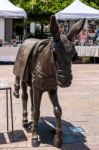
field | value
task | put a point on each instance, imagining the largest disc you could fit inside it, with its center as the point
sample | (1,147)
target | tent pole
(86,25)
(24,29)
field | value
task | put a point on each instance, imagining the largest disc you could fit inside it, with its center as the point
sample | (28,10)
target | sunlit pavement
(80,113)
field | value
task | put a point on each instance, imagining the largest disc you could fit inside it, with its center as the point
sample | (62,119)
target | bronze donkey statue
(43,65)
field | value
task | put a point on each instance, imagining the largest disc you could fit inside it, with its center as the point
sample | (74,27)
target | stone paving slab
(80,108)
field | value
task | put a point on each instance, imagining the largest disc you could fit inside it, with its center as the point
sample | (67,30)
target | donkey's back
(29,46)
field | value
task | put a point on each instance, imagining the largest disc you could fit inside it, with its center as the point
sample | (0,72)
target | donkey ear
(54,29)
(75,29)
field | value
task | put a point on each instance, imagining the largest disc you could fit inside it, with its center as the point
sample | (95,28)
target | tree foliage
(41,8)
(94,4)
(44,8)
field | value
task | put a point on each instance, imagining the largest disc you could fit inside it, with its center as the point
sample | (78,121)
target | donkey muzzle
(64,80)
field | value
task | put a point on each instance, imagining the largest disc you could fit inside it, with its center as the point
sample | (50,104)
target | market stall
(7,12)
(77,10)
(87,42)
(8,53)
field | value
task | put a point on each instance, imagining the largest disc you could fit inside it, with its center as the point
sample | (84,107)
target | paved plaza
(80,113)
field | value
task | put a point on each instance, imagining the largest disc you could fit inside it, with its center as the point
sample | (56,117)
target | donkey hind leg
(31,97)
(57,112)
(35,117)
(24,102)
(16,87)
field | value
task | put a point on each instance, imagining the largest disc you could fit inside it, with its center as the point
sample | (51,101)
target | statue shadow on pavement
(19,136)
(73,138)
(2,139)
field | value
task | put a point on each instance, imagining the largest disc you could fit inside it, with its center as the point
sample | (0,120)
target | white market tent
(77,10)
(7,12)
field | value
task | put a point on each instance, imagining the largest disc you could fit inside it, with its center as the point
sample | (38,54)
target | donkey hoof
(35,142)
(25,123)
(57,141)
(16,94)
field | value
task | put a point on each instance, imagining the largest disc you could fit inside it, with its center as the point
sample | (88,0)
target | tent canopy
(77,10)
(8,10)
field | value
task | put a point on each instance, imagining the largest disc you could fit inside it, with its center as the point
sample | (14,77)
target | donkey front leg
(57,112)
(37,94)
(24,102)
(16,87)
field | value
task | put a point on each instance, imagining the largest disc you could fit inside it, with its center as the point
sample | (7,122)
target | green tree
(94,4)
(25,4)
(42,7)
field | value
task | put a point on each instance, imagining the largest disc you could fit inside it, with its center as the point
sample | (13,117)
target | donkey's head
(63,50)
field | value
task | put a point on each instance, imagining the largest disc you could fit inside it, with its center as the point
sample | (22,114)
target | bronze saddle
(34,46)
